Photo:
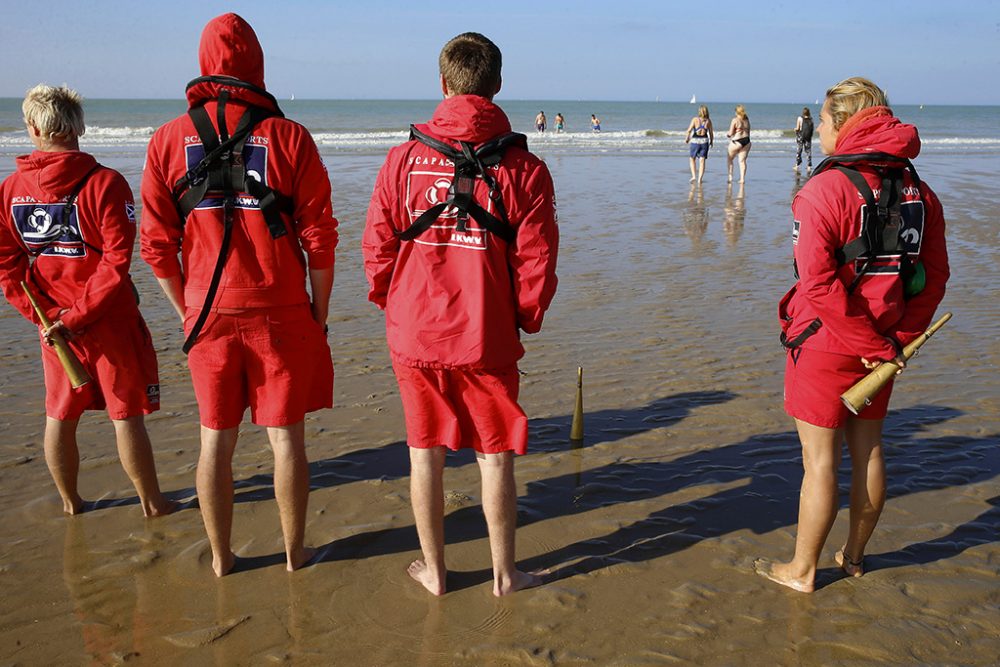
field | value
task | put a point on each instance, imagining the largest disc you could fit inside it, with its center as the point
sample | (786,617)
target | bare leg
(692,160)
(864,441)
(500,508)
(817,507)
(744,154)
(214,482)
(427,499)
(291,489)
(701,168)
(63,459)
(729,162)
(136,455)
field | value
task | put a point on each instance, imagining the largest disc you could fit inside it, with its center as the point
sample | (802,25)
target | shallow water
(688,471)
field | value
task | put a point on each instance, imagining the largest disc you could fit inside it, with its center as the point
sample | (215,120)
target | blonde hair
(57,112)
(851,96)
(703,112)
(470,64)
(741,111)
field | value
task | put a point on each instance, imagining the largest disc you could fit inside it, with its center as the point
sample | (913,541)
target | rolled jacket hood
(229,48)
(52,176)
(876,130)
(467,118)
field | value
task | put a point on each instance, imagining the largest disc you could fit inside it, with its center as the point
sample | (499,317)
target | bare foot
(853,568)
(432,581)
(305,555)
(73,506)
(518,582)
(223,566)
(161,507)
(779,574)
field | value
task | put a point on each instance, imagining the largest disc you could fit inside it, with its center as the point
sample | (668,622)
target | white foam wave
(379,140)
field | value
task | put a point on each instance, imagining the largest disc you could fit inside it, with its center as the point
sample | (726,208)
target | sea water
(123,127)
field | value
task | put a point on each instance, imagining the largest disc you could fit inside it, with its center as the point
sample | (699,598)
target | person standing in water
(701,137)
(739,143)
(803,139)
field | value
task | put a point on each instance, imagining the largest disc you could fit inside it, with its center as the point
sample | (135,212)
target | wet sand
(689,469)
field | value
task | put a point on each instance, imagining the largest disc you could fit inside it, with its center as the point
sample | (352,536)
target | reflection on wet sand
(696,214)
(734,214)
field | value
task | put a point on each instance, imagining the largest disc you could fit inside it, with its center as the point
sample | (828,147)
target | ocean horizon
(374,126)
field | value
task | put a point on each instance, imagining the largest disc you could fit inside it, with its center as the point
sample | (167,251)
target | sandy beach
(689,469)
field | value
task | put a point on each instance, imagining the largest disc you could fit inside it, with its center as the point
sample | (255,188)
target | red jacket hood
(876,130)
(230,48)
(53,175)
(467,118)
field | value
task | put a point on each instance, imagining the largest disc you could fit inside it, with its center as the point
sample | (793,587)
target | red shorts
(274,360)
(815,380)
(462,408)
(118,353)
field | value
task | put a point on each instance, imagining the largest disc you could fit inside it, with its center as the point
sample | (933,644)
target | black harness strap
(228,204)
(880,226)
(222,169)
(470,162)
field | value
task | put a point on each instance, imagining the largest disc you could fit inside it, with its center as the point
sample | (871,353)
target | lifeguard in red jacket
(460,251)
(67,227)
(236,218)
(871,262)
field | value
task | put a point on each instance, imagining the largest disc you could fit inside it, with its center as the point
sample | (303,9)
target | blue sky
(921,52)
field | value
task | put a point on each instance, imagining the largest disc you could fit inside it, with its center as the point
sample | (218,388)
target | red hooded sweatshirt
(827,212)
(452,299)
(88,276)
(261,271)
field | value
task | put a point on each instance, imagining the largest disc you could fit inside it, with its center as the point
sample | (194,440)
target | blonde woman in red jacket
(856,303)
(67,227)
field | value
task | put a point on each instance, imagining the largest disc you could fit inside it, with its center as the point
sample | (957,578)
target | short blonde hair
(741,111)
(703,111)
(470,64)
(851,96)
(56,111)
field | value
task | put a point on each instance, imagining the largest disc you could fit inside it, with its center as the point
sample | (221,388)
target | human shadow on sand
(546,435)
(984,529)
(389,462)
(763,474)
(768,472)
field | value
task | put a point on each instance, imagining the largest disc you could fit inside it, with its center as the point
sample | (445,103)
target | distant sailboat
(292,98)
(694,100)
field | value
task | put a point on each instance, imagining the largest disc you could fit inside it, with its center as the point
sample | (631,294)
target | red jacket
(261,271)
(457,300)
(89,277)
(827,212)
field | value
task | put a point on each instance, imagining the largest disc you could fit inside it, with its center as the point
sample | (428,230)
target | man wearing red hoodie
(456,290)
(67,226)
(241,194)
(850,311)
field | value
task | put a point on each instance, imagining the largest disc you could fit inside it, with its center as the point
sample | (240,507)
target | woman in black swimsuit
(739,142)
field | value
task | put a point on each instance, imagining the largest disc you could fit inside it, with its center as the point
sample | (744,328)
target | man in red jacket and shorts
(242,194)
(67,227)
(461,254)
